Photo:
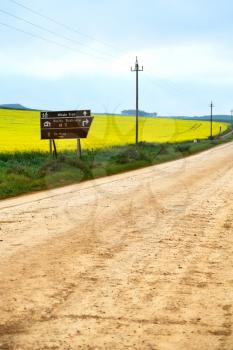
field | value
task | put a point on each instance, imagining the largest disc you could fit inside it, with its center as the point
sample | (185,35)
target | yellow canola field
(20,131)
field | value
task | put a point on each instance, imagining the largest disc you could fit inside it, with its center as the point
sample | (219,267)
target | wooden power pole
(211,120)
(136,69)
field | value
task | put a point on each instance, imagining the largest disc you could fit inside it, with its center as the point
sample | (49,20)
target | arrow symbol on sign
(45,115)
(85,122)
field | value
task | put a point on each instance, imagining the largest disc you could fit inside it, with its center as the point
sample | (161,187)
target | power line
(67,27)
(48,40)
(50,31)
(169,84)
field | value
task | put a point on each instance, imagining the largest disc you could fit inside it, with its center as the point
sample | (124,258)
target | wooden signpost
(65,125)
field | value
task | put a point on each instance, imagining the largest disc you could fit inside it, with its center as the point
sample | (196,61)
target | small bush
(18,170)
(163,149)
(49,167)
(183,148)
(131,154)
(80,164)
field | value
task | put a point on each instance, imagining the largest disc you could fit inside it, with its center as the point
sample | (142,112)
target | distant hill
(14,106)
(219,118)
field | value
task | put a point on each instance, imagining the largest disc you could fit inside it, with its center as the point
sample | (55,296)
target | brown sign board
(65,124)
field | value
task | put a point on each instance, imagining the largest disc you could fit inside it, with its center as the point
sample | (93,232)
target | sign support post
(79,149)
(54,149)
(50,147)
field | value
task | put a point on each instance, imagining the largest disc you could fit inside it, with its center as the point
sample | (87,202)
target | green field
(19,131)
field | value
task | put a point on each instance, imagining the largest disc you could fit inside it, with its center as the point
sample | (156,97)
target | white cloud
(198,62)
(188,62)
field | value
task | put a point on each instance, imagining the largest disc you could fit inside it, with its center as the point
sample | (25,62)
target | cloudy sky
(58,54)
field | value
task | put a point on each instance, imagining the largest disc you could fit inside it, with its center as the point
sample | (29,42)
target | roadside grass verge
(24,172)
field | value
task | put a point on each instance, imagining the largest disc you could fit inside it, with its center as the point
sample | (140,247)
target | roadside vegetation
(24,172)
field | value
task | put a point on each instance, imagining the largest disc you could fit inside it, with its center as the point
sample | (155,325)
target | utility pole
(136,69)
(231,117)
(211,120)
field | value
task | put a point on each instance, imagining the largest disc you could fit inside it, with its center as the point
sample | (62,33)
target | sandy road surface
(142,260)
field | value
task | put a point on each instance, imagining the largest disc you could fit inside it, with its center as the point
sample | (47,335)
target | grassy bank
(32,171)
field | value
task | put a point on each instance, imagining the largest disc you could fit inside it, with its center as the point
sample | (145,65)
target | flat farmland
(20,131)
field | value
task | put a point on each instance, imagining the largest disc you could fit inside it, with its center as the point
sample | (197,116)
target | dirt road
(142,260)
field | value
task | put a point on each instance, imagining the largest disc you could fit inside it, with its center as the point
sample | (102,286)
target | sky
(73,54)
